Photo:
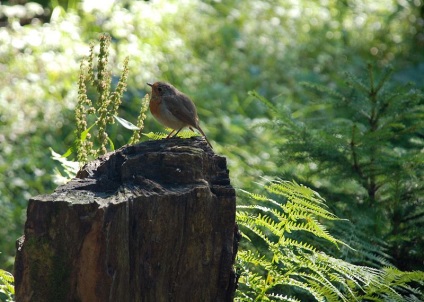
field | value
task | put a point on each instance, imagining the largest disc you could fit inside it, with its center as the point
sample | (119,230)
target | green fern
(359,139)
(365,249)
(285,265)
(162,135)
(155,135)
(7,290)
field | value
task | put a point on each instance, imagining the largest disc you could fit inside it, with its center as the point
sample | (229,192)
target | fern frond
(255,196)
(283,298)
(255,258)
(6,285)
(292,243)
(6,277)
(249,224)
(253,207)
(302,198)
(187,134)
(155,135)
(291,260)
(360,250)
(303,285)
(320,283)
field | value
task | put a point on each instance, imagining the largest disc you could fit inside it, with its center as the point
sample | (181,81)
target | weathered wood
(150,222)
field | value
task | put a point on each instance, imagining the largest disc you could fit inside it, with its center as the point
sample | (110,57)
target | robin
(173,109)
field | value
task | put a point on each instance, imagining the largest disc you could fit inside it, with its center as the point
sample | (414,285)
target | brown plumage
(173,108)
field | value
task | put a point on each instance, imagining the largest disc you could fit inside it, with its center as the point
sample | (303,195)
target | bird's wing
(182,108)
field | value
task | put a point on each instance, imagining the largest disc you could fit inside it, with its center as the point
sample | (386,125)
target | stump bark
(149,222)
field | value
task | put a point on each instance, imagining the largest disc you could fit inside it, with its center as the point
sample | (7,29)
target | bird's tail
(204,135)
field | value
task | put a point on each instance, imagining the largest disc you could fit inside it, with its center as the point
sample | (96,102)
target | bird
(173,109)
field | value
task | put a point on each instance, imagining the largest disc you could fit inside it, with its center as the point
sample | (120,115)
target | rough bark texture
(149,222)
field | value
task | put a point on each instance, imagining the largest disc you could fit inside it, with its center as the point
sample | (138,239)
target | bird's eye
(159,89)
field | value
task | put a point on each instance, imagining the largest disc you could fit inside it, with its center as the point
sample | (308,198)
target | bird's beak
(151,85)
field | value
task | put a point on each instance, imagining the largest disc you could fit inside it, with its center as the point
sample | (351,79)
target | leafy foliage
(135,138)
(105,107)
(7,290)
(365,149)
(292,267)
(68,171)
(104,112)
(211,50)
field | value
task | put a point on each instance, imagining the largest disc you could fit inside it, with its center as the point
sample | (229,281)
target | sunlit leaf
(126,123)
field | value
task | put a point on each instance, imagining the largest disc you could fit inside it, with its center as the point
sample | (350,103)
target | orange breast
(154,106)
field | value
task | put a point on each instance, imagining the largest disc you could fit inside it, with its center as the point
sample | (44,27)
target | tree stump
(149,222)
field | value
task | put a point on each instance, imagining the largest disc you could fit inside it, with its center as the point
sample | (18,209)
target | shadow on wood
(149,222)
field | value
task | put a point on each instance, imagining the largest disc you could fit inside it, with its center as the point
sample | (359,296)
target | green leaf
(85,132)
(112,146)
(68,152)
(67,164)
(6,284)
(126,123)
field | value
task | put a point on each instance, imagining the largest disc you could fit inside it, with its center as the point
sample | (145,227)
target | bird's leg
(169,135)
(177,132)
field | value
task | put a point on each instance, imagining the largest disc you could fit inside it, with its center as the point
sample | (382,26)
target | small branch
(356,166)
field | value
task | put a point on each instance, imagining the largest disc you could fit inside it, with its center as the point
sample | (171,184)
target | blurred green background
(216,52)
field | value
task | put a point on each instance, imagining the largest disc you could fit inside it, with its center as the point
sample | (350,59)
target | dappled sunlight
(292,56)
